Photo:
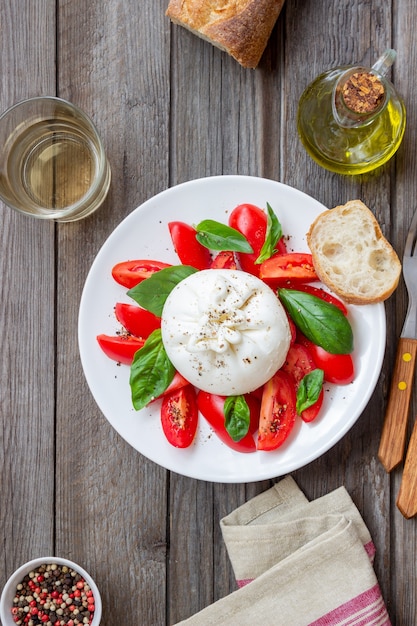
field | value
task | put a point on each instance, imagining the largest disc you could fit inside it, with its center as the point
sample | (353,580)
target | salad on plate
(239,333)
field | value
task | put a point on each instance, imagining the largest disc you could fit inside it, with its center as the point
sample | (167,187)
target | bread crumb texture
(239,27)
(351,255)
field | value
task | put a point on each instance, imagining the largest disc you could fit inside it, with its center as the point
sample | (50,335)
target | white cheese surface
(225,331)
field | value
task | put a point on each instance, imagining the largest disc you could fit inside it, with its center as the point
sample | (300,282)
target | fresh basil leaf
(320,321)
(151,293)
(151,371)
(273,235)
(237,417)
(309,390)
(217,236)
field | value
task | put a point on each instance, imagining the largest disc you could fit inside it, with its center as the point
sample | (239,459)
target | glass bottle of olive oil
(350,119)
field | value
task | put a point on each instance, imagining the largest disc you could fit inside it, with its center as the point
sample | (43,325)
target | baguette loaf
(239,27)
(351,256)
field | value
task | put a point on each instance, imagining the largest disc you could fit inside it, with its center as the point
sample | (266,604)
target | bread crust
(383,277)
(239,27)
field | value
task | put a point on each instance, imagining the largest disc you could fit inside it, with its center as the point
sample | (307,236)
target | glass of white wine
(52,161)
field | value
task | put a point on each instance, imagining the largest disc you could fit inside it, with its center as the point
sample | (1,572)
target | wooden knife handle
(394,431)
(407,496)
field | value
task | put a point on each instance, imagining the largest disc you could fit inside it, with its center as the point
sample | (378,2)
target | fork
(393,438)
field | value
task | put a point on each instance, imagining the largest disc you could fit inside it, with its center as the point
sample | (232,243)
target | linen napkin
(298,563)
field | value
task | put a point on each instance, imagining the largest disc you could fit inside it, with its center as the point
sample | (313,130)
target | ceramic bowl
(9,591)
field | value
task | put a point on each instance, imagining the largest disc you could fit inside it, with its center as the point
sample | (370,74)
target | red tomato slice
(130,273)
(224,260)
(189,250)
(310,414)
(298,363)
(177,382)
(179,416)
(338,368)
(294,267)
(120,348)
(319,292)
(252,222)
(212,408)
(278,412)
(135,320)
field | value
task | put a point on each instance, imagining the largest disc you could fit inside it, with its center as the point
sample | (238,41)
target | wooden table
(170,108)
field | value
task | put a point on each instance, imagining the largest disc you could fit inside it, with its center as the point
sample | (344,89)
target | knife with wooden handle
(394,431)
(407,495)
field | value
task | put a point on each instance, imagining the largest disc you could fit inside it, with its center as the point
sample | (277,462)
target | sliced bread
(351,256)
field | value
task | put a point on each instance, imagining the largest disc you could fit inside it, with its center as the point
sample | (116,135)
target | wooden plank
(26,318)
(191,571)
(111,501)
(220,125)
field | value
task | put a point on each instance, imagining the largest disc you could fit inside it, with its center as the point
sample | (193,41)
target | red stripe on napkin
(370,550)
(244,581)
(367,609)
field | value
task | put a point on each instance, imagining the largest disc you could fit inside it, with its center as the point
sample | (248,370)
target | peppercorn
(55,602)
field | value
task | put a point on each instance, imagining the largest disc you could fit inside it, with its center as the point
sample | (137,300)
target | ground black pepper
(53,595)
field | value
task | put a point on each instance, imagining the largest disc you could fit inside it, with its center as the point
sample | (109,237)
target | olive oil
(354,148)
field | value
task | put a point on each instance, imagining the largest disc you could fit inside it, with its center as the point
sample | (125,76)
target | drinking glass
(52,160)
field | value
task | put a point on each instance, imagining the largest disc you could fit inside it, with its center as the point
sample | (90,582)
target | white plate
(144,234)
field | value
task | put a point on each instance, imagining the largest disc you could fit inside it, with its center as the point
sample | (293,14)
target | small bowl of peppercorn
(50,591)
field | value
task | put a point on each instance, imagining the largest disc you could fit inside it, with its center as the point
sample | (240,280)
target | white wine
(52,162)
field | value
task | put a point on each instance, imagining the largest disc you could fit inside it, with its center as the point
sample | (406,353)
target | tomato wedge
(293,267)
(310,414)
(298,363)
(135,320)
(224,260)
(252,222)
(319,292)
(278,412)
(130,273)
(179,416)
(177,382)
(189,250)
(120,348)
(211,407)
(338,368)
